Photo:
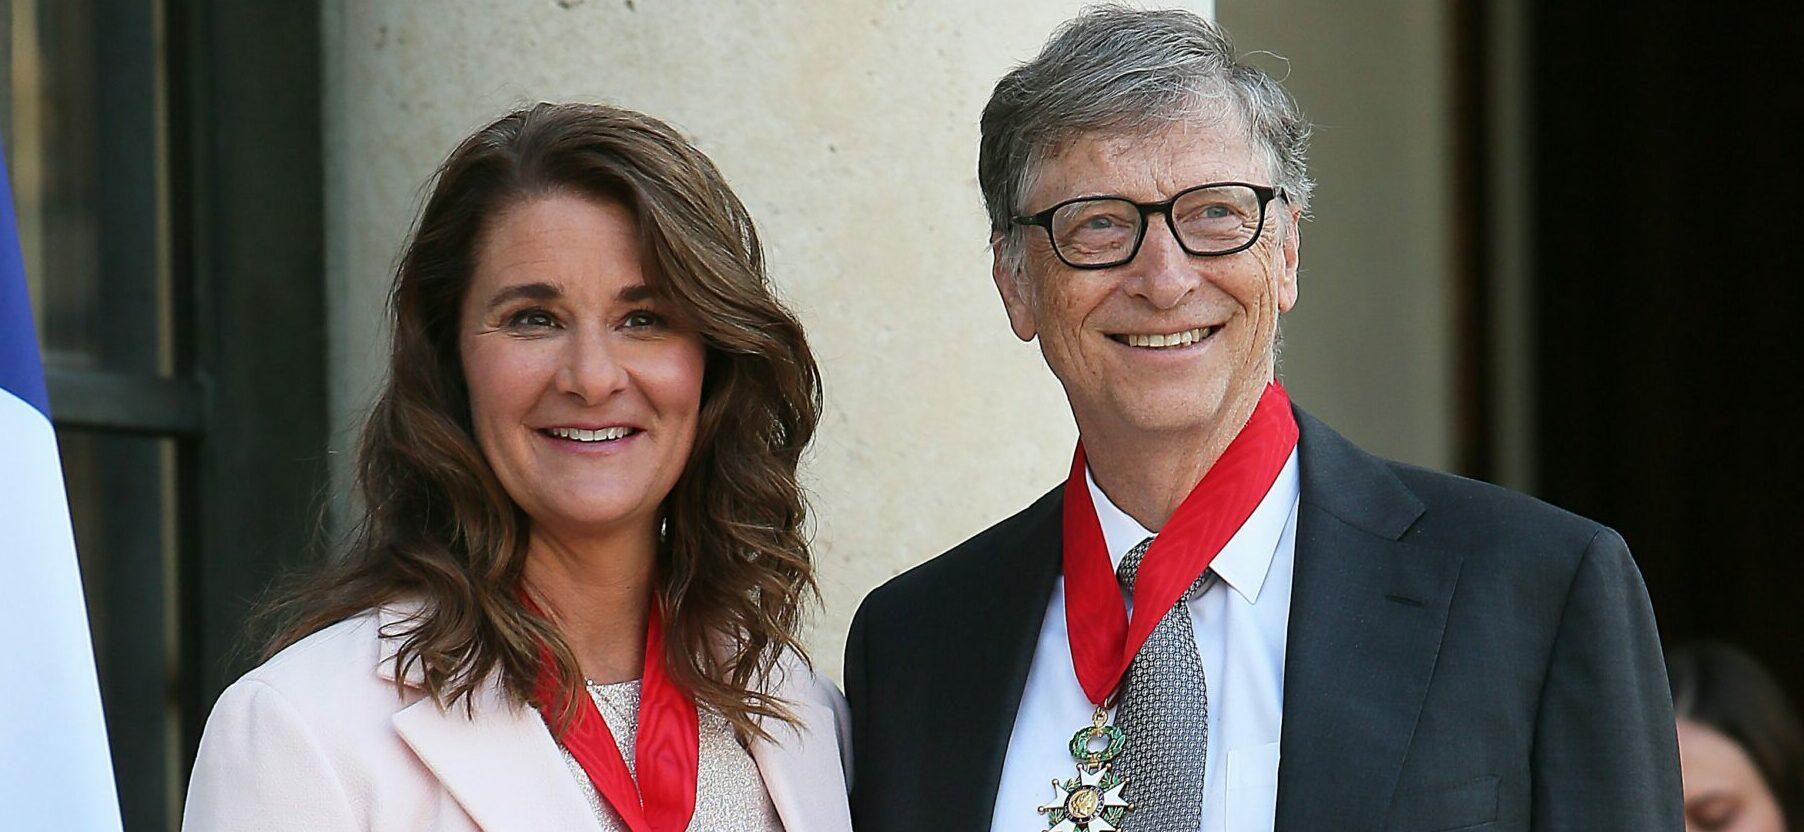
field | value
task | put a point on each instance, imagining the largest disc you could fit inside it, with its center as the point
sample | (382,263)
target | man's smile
(1165,340)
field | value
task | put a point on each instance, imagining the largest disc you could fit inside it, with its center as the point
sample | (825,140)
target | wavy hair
(734,571)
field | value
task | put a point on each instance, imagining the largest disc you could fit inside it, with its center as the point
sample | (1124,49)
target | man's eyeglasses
(1097,232)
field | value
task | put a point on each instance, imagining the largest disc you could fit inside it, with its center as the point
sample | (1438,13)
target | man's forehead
(1149,163)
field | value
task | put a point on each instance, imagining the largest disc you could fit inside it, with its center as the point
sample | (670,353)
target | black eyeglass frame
(1264,193)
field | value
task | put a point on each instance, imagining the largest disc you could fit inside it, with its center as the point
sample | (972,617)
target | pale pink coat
(319,739)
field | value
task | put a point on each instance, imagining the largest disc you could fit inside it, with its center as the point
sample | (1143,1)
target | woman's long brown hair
(734,570)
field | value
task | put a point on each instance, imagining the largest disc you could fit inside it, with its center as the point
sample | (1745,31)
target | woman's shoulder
(322,658)
(822,723)
(313,727)
(336,669)
(797,680)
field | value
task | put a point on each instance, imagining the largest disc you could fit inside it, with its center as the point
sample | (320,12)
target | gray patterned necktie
(1164,711)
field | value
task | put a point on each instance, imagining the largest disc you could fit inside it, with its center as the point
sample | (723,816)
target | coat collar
(1367,614)
(501,764)
(1002,600)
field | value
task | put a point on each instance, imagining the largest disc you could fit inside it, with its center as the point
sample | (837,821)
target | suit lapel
(986,643)
(497,759)
(1367,615)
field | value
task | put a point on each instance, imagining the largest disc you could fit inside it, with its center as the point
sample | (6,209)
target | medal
(1091,801)
(1104,639)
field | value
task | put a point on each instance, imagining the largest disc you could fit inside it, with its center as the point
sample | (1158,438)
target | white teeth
(1175,339)
(581,435)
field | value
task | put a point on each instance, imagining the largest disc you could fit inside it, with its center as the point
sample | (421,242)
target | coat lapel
(1367,615)
(987,640)
(497,759)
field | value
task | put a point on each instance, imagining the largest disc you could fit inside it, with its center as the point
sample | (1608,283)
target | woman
(573,599)
(1741,747)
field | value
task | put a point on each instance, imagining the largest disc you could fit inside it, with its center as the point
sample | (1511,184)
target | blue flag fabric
(21,374)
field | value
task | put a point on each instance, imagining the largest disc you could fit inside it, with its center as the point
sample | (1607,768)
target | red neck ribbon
(1103,640)
(666,750)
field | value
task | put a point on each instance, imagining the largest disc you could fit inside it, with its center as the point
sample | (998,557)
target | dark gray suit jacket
(1460,657)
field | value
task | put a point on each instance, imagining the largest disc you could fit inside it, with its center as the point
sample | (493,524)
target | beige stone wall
(849,129)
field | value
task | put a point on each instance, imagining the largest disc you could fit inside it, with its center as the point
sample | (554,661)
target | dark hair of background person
(734,570)
(1722,687)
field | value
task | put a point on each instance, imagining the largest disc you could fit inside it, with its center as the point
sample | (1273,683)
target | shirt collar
(1244,562)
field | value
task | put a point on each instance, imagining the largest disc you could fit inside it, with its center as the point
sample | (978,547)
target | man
(1229,617)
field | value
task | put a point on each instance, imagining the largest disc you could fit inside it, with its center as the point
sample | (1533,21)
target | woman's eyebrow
(528,291)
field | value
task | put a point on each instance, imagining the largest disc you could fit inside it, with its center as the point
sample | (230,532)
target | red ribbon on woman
(666,751)
(1103,640)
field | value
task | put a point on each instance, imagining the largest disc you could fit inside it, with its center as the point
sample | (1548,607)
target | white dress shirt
(1240,622)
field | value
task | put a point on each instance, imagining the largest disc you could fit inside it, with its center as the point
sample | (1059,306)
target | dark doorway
(1667,271)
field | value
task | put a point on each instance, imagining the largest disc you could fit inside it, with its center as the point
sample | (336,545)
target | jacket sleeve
(1606,749)
(261,767)
(842,726)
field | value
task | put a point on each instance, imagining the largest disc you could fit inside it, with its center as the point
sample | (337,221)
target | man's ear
(1011,284)
(1287,275)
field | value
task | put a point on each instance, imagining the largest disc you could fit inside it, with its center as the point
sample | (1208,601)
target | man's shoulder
(1510,542)
(1437,510)
(1481,518)
(970,566)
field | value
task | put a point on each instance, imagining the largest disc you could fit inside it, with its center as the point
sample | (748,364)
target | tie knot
(1130,564)
(1130,569)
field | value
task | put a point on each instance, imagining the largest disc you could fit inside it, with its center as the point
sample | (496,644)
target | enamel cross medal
(1091,801)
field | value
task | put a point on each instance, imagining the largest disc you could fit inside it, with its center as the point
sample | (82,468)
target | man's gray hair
(1117,69)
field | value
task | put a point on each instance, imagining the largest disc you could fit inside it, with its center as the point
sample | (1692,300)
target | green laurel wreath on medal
(1091,801)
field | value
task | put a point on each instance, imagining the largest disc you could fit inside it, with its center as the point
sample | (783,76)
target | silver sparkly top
(729,793)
